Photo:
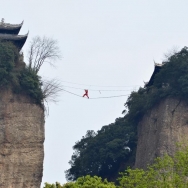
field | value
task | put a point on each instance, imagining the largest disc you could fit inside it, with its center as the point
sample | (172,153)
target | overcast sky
(103,43)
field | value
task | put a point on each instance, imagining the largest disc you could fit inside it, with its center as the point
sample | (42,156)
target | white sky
(103,42)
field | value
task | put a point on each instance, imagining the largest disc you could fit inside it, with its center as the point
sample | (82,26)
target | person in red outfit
(86,94)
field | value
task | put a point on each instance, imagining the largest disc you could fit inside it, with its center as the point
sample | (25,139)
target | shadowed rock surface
(21,141)
(160,130)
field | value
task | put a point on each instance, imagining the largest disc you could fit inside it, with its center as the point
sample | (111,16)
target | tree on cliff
(21,78)
(14,75)
(42,50)
(104,153)
(170,81)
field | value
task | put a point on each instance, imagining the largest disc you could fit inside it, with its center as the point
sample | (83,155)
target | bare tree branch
(42,50)
(51,90)
(45,50)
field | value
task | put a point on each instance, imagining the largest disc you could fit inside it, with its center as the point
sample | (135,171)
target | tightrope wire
(94,97)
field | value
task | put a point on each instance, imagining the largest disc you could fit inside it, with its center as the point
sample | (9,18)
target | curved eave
(156,70)
(17,40)
(7,28)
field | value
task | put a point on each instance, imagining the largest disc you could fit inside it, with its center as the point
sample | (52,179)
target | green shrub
(166,172)
(30,83)
(22,80)
(84,182)
(8,57)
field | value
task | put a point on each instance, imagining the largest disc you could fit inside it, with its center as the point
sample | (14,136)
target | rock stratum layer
(21,141)
(160,130)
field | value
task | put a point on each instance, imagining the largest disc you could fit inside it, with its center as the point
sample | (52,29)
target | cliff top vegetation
(23,78)
(171,81)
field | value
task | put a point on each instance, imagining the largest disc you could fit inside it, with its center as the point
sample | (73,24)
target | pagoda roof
(7,28)
(17,40)
(157,68)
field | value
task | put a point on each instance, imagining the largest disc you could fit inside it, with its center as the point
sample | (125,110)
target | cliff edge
(160,129)
(21,141)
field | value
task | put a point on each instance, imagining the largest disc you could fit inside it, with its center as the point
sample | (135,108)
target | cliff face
(21,141)
(160,129)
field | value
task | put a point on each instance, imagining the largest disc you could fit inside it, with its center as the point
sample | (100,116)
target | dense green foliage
(166,172)
(31,83)
(84,182)
(103,153)
(56,185)
(16,76)
(8,58)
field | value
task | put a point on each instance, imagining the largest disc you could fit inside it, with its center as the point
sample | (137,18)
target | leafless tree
(45,50)
(42,50)
(51,89)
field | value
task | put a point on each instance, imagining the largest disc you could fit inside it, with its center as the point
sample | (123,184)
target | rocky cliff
(160,130)
(21,141)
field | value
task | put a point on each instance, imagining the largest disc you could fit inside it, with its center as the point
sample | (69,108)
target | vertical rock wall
(21,141)
(160,130)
